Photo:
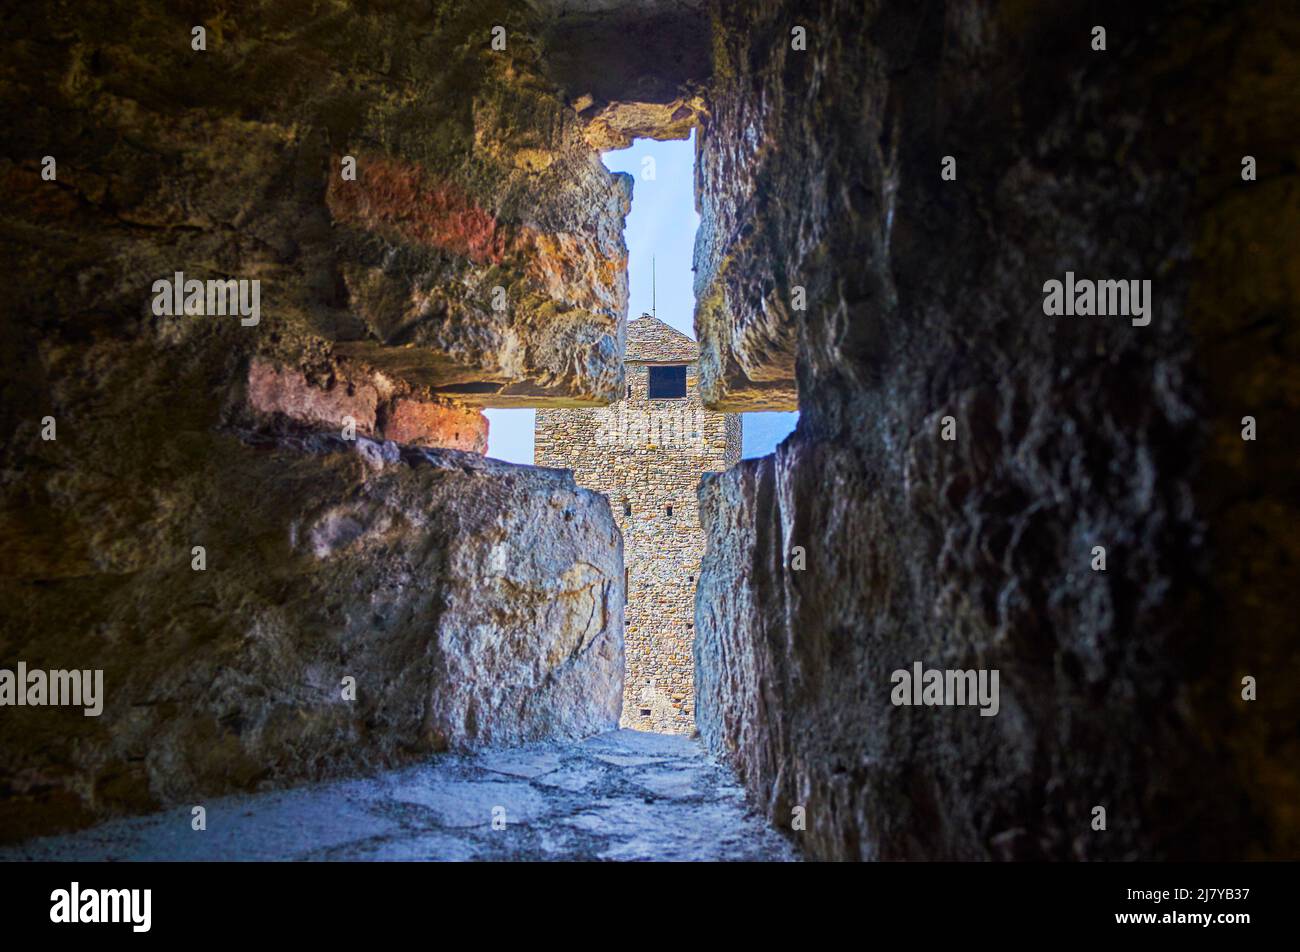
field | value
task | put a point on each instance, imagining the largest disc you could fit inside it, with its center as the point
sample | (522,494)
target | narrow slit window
(670,511)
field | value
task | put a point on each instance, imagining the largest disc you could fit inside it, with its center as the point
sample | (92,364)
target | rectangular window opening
(668,383)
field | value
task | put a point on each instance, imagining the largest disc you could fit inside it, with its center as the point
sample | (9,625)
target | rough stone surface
(630,69)
(925,301)
(477,253)
(686,808)
(379,300)
(646,456)
(819,171)
(368,403)
(473,602)
(435,424)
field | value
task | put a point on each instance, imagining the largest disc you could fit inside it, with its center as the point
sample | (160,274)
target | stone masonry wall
(467,598)
(647,455)
(1120,689)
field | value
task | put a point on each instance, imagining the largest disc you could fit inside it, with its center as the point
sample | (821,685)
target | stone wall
(646,456)
(819,171)
(378,300)
(1120,689)
(471,602)
(473,173)
(366,406)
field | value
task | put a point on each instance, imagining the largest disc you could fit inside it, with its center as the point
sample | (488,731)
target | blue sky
(661,226)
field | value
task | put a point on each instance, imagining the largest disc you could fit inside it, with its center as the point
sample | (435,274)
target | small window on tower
(667,383)
(670,511)
(629,391)
(627,509)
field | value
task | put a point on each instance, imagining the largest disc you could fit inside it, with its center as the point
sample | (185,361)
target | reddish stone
(435,424)
(393,196)
(275,390)
(399,199)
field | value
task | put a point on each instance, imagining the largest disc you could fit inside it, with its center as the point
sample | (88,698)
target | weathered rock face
(368,406)
(629,69)
(476,258)
(744,319)
(477,252)
(472,602)
(1122,688)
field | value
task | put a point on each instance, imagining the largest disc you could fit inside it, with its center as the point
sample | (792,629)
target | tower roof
(650,339)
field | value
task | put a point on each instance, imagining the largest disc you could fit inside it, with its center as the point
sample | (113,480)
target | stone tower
(647,452)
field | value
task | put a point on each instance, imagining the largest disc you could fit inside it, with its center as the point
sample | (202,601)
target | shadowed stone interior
(1121,688)
(477,259)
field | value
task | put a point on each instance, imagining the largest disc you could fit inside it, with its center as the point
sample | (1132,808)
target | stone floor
(625,795)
